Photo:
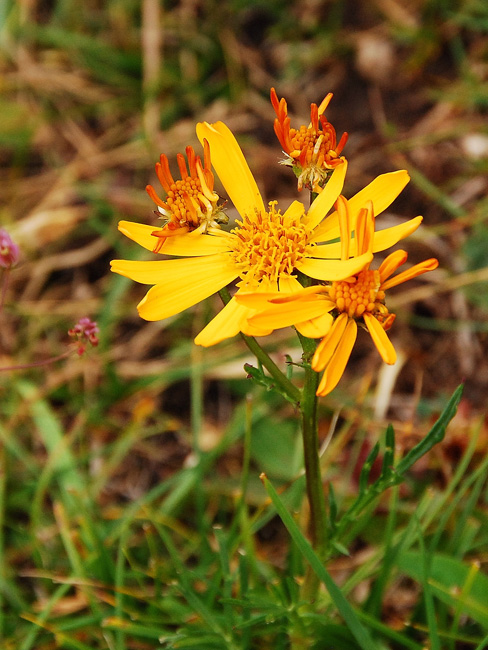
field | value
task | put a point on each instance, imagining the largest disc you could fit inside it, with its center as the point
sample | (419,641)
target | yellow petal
(327,346)
(390,264)
(255,299)
(226,324)
(328,251)
(290,290)
(185,271)
(289,284)
(382,192)
(260,297)
(186,245)
(331,270)
(345,226)
(383,239)
(294,211)
(316,328)
(337,365)
(380,339)
(409,274)
(182,284)
(289,313)
(304,293)
(231,167)
(327,197)
(250,329)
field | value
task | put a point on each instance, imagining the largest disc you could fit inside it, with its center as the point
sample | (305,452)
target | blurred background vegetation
(91,94)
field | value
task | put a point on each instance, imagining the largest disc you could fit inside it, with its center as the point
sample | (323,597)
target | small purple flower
(85,331)
(9,251)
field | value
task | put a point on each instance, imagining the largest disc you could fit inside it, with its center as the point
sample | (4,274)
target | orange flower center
(312,146)
(190,203)
(269,245)
(360,294)
(179,200)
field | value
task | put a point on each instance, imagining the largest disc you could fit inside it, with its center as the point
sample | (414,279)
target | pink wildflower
(85,331)
(9,251)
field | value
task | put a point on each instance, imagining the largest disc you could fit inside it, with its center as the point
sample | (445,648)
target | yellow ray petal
(328,251)
(391,263)
(409,274)
(186,245)
(182,285)
(345,226)
(187,271)
(256,300)
(304,293)
(260,297)
(326,199)
(380,339)
(383,239)
(316,328)
(289,313)
(331,270)
(231,167)
(382,192)
(226,324)
(294,211)
(327,346)
(254,330)
(289,284)
(337,365)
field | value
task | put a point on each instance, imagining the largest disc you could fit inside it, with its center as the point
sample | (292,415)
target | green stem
(281,380)
(315,490)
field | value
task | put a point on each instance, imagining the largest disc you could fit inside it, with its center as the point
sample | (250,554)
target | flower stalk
(313,475)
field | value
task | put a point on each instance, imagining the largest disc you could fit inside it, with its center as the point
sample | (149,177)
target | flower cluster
(84,332)
(310,268)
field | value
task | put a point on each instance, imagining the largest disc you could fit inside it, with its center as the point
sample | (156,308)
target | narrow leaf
(435,435)
(357,630)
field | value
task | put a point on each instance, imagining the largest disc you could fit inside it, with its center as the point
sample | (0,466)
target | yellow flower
(190,203)
(312,150)
(263,252)
(345,303)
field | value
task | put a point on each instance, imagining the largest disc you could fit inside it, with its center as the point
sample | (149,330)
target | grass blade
(435,435)
(352,621)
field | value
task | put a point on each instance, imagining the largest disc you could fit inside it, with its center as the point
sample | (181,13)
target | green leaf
(258,375)
(61,459)
(366,468)
(435,435)
(347,612)
(448,577)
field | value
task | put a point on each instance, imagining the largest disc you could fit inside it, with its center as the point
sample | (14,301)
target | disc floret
(190,204)
(269,245)
(359,294)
